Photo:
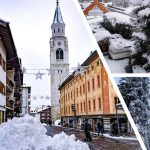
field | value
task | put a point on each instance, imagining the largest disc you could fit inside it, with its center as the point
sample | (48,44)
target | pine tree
(135,92)
(141,35)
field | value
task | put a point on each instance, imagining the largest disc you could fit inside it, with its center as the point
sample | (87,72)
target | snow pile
(121,137)
(57,122)
(115,17)
(118,43)
(28,133)
(101,34)
(64,142)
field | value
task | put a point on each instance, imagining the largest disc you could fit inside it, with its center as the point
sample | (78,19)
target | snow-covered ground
(117,66)
(27,133)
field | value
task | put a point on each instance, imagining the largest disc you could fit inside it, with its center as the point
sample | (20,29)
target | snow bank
(64,142)
(57,122)
(28,133)
(121,137)
(101,34)
(118,43)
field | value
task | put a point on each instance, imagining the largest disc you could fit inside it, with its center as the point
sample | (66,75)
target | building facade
(45,115)
(2,81)
(90,95)
(26,93)
(12,79)
(59,60)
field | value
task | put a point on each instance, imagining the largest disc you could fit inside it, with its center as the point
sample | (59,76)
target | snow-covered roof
(58,15)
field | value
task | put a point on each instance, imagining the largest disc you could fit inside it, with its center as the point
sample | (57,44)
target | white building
(2,81)
(26,92)
(59,60)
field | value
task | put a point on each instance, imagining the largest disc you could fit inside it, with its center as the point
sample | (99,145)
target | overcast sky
(30,22)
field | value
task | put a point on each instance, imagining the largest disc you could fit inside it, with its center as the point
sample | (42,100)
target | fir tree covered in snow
(141,23)
(135,92)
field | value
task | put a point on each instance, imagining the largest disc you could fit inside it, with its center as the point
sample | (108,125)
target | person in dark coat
(50,122)
(87,129)
(114,128)
(100,128)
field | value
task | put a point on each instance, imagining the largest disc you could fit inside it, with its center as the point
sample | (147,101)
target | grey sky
(30,22)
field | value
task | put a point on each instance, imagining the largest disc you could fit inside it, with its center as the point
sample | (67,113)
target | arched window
(59,54)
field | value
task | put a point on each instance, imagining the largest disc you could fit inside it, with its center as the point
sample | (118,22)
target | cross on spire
(57,2)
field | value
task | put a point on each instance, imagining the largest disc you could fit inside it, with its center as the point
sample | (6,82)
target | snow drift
(27,133)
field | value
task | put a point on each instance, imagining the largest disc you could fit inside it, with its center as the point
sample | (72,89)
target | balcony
(10,85)
(10,104)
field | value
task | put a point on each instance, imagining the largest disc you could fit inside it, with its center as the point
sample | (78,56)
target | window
(2,88)
(66,97)
(83,89)
(62,30)
(94,106)
(54,30)
(93,84)
(58,30)
(77,92)
(74,93)
(98,63)
(80,91)
(116,101)
(88,86)
(59,54)
(71,94)
(84,106)
(69,110)
(77,108)
(81,107)
(98,81)
(99,103)
(89,102)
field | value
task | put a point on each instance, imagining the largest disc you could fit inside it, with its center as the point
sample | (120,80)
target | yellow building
(90,95)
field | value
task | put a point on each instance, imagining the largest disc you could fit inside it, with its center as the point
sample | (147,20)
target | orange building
(90,95)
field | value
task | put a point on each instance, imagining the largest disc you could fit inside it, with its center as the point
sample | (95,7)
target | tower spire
(57,2)
(57,15)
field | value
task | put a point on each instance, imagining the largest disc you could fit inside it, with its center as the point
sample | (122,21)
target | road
(98,143)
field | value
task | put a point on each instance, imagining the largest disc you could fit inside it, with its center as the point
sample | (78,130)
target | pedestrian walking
(100,128)
(114,128)
(49,122)
(87,129)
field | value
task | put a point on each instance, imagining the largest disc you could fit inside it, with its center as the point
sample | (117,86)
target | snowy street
(98,143)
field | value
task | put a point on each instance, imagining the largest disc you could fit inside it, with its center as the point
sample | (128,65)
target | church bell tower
(59,60)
